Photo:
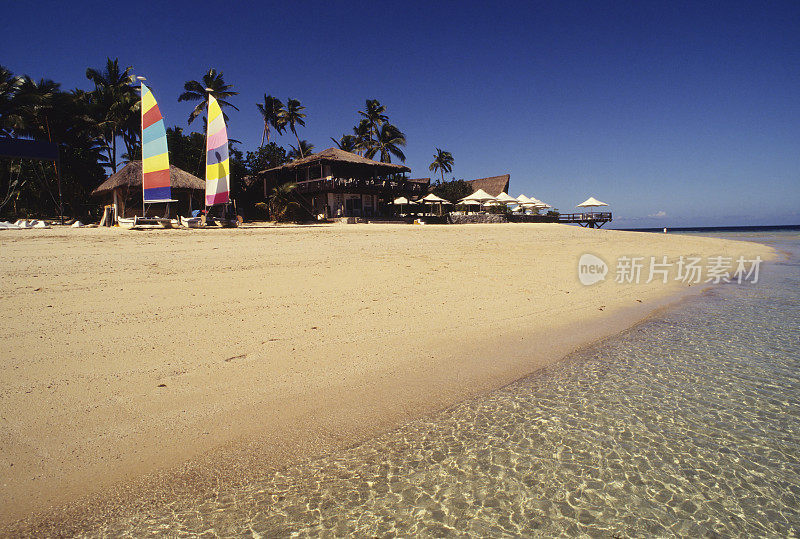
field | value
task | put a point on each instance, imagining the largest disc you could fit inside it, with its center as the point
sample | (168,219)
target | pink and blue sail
(155,158)
(218,172)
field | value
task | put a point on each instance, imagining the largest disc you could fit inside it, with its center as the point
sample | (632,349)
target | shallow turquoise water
(688,424)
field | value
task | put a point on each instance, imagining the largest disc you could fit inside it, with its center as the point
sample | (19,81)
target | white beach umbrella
(480,196)
(432,199)
(591,202)
(505,198)
(400,201)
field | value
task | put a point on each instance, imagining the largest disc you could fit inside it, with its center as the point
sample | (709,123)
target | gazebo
(124,189)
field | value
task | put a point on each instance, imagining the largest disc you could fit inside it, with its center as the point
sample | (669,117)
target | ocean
(687,424)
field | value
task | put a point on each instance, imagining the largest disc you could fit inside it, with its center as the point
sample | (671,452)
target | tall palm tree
(387,143)
(442,161)
(196,91)
(374,113)
(303,149)
(293,115)
(363,135)
(273,112)
(32,106)
(9,85)
(116,106)
(347,143)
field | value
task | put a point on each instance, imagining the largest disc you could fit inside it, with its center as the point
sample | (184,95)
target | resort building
(493,185)
(335,183)
(124,190)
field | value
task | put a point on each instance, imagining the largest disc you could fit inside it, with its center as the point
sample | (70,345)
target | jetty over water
(591,220)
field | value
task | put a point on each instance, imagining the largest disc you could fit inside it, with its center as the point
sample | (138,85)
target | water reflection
(688,424)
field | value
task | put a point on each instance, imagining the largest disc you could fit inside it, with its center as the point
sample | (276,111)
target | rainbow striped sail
(155,159)
(218,173)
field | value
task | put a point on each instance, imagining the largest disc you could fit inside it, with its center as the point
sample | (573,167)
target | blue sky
(684,111)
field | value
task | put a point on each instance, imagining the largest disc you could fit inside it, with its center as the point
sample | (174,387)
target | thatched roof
(335,155)
(131,176)
(494,185)
(420,180)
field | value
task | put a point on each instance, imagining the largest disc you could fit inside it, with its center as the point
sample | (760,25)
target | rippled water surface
(688,424)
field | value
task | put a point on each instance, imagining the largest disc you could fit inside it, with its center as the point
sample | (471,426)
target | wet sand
(140,365)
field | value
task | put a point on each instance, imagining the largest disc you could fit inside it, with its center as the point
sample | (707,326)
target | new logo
(591,269)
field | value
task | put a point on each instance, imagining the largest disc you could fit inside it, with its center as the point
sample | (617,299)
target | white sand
(277,343)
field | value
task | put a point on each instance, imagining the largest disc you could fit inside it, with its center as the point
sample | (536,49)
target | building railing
(353,184)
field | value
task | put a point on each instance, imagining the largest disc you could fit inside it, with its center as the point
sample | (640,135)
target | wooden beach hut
(334,183)
(124,188)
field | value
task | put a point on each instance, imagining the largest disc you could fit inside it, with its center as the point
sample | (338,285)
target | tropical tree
(442,161)
(363,136)
(196,91)
(388,143)
(9,84)
(348,143)
(293,115)
(303,149)
(32,106)
(281,203)
(273,112)
(375,115)
(115,107)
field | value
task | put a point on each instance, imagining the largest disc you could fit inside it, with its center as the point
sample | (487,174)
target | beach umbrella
(432,199)
(480,196)
(399,201)
(591,202)
(505,198)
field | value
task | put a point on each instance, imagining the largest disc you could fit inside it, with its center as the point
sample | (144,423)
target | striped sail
(155,159)
(218,172)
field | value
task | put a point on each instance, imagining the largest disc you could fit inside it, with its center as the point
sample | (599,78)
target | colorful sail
(218,172)
(155,159)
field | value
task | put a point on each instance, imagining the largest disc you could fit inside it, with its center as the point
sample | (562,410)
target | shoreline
(365,400)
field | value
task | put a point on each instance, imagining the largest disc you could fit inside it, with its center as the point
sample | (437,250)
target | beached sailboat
(155,164)
(218,172)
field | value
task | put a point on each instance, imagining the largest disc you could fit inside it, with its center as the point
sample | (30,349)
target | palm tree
(363,136)
(280,201)
(375,115)
(303,149)
(348,143)
(9,85)
(293,116)
(388,141)
(116,106)
(442,161)
(32,105)
(196,91)
(273,112)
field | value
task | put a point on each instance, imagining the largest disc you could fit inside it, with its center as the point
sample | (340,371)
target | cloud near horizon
(660,213)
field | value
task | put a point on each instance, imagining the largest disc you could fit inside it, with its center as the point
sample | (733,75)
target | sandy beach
(147,364)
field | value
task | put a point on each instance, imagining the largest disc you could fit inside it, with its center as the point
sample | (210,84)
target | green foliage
(303,149)
(196,91)
(274,114)
(453,190)
(442,161)
(282,204)
(265,157)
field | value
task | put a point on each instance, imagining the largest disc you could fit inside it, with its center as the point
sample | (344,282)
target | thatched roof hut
(124,188)
(131,176)
(493,185)
(337,156)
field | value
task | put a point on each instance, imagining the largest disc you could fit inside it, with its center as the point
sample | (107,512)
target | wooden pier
(591,220)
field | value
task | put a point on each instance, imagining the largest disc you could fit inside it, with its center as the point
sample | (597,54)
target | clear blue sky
(687,110)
